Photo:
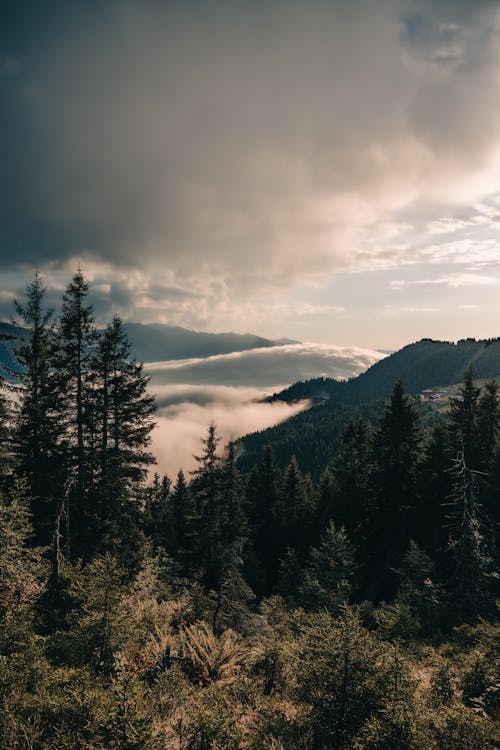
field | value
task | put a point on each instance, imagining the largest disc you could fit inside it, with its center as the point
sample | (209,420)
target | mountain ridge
(154,342)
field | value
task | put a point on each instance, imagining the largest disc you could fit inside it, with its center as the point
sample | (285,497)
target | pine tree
(418,589)
(123,426)
(396,458)
(472,565)
(488,422)
(294,511)
(329,571)
(75,341)
(207,488)
(262,495)
(234,595)
(182,532)
(157,511)
(463,421)
(38,432)
(351,470)
(233,520)
(434,485)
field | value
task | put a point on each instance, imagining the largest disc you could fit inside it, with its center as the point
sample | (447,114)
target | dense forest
(270,604)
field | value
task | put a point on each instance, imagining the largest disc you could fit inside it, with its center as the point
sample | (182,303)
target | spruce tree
(262,495)
(329,572)
(294,511)
(182,531)
(396,456)
(463,421)
(473,570)
(351,471)
(233,520)
(76,337)
(488,422)
(208,495)
(38,431)
(123,426)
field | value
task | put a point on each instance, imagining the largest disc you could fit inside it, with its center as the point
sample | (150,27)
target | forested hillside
(425,364)
(353,607)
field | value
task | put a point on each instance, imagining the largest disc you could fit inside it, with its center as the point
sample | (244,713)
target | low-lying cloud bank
(280,365)
(227,389)
(176,439)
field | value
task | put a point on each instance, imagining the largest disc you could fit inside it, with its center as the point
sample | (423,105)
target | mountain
(313,435)
(424,364)
(155,342)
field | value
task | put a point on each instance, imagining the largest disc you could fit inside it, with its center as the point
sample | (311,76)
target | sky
(322,170)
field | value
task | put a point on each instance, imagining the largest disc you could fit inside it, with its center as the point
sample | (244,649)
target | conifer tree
(473,568)
(433,487)
(157,511)
(463,421)
(329,571)
(76,338)
(262,494)
(38,432)
(209,504)
(124,425)
(294,510)
(234,595)
(488,423)
(182,527)
(396,457)
(351,470)
(233,520)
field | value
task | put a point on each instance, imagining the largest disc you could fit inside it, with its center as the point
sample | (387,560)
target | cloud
(250,141)
(453,280)
(176,438)
(265,368)
(228,389)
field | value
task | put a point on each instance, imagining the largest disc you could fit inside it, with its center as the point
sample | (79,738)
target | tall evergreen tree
(262,495)
(76,339)
(234,522)
(294,512)
(124,424)
(434,486)
(351,470)
(37,439)
(463,421)
(473,568)
(182,529)
(488,422)
(207,487)
(329,571)
(396,457)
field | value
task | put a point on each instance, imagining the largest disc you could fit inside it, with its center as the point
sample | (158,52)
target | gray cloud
(249,140)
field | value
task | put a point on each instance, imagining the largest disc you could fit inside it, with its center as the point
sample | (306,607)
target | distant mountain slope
(313,435)
(156,342)
(424,364)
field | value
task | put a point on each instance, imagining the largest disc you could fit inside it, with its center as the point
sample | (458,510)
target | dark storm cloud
(245,138)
